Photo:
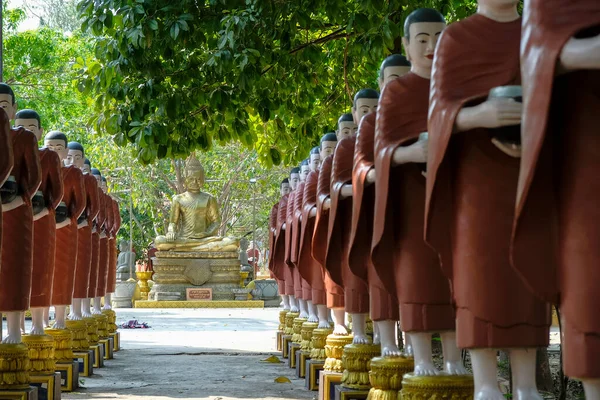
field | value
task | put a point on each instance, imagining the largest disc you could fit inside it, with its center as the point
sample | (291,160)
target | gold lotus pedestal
(288,332)
(93,324)
(85,336)
(294,345)
(356,360)
(14,372)
(281,329)
(42,364)
(112,329)
(334,349)
(315,365)
(143,278)
(386,375)
(305,347)
(104,339)
(455,387)
(176,271)
(63,354)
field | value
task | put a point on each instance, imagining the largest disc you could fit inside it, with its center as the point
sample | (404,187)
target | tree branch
(346,70)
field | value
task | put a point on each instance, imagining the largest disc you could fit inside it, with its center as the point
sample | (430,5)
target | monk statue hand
(313,212)
(327,204)
(578,54)
(415,153)
(498,112)
(510,149)
(371,176)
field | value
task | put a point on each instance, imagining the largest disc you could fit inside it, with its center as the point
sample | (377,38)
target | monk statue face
(327,149)
(31,124)
(59,146)
(6,103)
(75,157)
(304,171)
(420,45)
(103,186)
(346,129)
(390,73)
(315,162)
(284,189)
(498,5)
(86,168)
(363,107)
(294,180)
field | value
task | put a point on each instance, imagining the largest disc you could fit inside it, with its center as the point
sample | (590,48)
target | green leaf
(174,31)
(153,24)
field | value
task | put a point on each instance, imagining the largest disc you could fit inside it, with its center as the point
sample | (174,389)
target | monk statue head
(30,120)
(328,143)
(315,159)
(104,185)
(284,187)
(8,101)
(422,29)
(98,175)
(294,177)
(365,102)
(498,10)
(76,155)
(392,67)
(304,169)
(346,126)
(194,175)
(57,142)
(87,166)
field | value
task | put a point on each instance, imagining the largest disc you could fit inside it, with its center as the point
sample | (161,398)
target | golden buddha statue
(195,218)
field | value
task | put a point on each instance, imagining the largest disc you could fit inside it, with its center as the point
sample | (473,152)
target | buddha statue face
(284,189)
(327,149)
(420,45)
(194,175)
(31,124)
(294,180)
(75,157)
(346,129)
(390,73)
(315,162)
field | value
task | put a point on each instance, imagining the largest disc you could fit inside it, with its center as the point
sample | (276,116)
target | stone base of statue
(124,291)
(98,352)
(85,360)
(334,349)
(437,387)
(356,359)
(48,385)
(267,291)
(176,271)
(108,346)
(328,382)
(41,354)
(116,336)
(124,276)
(386,375)
(69,375)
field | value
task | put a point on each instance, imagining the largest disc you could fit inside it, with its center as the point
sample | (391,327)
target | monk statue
(195,218)
(470,196)
(556,221)
(346,126)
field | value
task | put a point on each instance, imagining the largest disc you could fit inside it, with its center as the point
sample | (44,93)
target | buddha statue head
(30,120)
(392,67)
(294,177)
(98,175)
(194,175)
(87,166)
(57,142)
(422,29)
(75,155)
(346,126)
(365,102)
(315,159)
(304,170)
(328,143)
(8,102)
(284,187)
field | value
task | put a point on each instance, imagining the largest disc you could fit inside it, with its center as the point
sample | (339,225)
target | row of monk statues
(57,240)
(461,200)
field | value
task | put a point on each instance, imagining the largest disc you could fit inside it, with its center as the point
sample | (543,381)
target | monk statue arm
(414,153)
(492,113)
(346,191)
(578,54)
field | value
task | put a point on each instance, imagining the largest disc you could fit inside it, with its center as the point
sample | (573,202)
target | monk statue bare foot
(312,312)
(359,324)
(323,314)
(387,333)
(340,324)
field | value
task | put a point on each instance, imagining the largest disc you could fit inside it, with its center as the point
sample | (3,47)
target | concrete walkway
(195,354)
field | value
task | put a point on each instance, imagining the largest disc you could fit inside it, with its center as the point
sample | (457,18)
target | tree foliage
(173,77)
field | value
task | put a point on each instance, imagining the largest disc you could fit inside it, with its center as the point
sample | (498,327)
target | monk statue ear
(405,45)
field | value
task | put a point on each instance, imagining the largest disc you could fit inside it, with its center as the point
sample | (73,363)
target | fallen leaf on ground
(272,359)
(282,379)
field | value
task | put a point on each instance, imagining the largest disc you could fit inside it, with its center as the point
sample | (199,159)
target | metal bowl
(507,134)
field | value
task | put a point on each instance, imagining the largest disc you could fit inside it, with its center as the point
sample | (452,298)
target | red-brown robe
(17,225)
(556,232)
(104,247)
(272,232)
(84,239)
(44,230)
(96,231)
(356,291)
(471,190)
(402,257)
(335,293)
(296,232)
(293,277)
(68,237)
(6,159)
(309,268)
(383,303)
(111,280)
(280,268)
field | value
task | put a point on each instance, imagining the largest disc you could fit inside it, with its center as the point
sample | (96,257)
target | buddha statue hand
(171,236)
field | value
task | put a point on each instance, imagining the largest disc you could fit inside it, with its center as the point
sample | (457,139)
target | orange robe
(356,292)
(556,230)
(96,231)
(401,255)
(383,302)
(111,280)
(296,232)
(280,268)
(272,231)
(84,239)
(335,293)
(6,159)
(68,237)
(103,266)
(471,190)
(44,230)
(17,225)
